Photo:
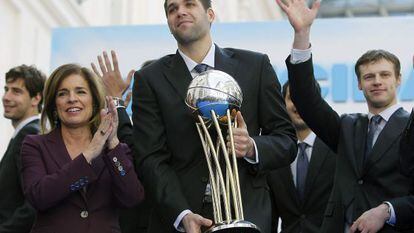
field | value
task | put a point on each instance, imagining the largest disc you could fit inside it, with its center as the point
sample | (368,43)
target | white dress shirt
(24,123)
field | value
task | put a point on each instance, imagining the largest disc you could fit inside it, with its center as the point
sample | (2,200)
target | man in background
(369,185)
(300,192)
(22,103)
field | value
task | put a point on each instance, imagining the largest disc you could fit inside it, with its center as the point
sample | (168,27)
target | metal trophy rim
(235,227)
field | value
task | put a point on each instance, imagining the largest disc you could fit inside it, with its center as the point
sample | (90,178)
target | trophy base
(235,227)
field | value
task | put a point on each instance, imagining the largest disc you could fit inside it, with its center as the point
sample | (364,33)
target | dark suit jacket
(134,219)
(407,147)
(16,214)
(303,216)
(55,185)
(168,149)
(362,185)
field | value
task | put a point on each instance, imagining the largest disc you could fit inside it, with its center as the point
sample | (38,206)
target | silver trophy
(215,97)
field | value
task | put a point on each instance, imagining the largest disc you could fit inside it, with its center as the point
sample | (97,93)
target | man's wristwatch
(118,102)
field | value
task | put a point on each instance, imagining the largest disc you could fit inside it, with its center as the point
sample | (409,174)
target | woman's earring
(55,118)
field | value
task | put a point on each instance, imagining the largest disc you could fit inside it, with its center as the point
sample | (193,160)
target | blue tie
(301,170)
(200,68)
(372,129)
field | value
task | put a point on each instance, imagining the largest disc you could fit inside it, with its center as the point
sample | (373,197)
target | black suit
(407,147)
(135,219)
(358,184)
(303,216)
(16,215)
(168,149)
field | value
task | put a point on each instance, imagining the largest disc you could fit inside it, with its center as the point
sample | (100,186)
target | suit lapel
(6,154)
(22,133)
(225,62)
(9,146)
(61,157)
(34,124)
(287,178)
(360,137)
(388,136)
(178,75)
(319,154)
(59,154)
(57,148)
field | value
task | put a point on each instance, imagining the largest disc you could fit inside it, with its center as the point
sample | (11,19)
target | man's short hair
(34,80)
(374,56)
(286,85)
(206,4)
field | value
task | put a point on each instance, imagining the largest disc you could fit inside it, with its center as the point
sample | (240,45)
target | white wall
(25,29)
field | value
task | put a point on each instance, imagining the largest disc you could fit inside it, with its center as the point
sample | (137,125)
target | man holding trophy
(168,132)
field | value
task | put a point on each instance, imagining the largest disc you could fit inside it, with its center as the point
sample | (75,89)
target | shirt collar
(24,123)
(387,113)
(310,139)
(209,59)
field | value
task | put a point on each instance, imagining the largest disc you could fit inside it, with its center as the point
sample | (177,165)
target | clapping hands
(106,133)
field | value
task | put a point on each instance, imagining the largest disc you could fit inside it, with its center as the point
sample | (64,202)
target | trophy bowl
(214,90)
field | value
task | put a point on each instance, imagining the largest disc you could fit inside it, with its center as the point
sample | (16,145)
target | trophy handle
(218,169)
(239,208)
(228,165)
(215,199)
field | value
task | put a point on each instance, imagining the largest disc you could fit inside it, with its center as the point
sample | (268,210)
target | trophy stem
(236,169)
(217,188)
(218,168)
(227,172)
(227,183)
(215,202)
(216,193)
(228,165)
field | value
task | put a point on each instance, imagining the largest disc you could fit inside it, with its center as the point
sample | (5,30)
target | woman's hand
(100,137)
(113,137)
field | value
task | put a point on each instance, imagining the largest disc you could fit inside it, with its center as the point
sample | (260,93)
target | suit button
(360,181)
(204,179)
(84,214)
(115,159)
(117,163)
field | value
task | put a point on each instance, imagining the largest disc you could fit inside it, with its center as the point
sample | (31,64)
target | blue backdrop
(336,44)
